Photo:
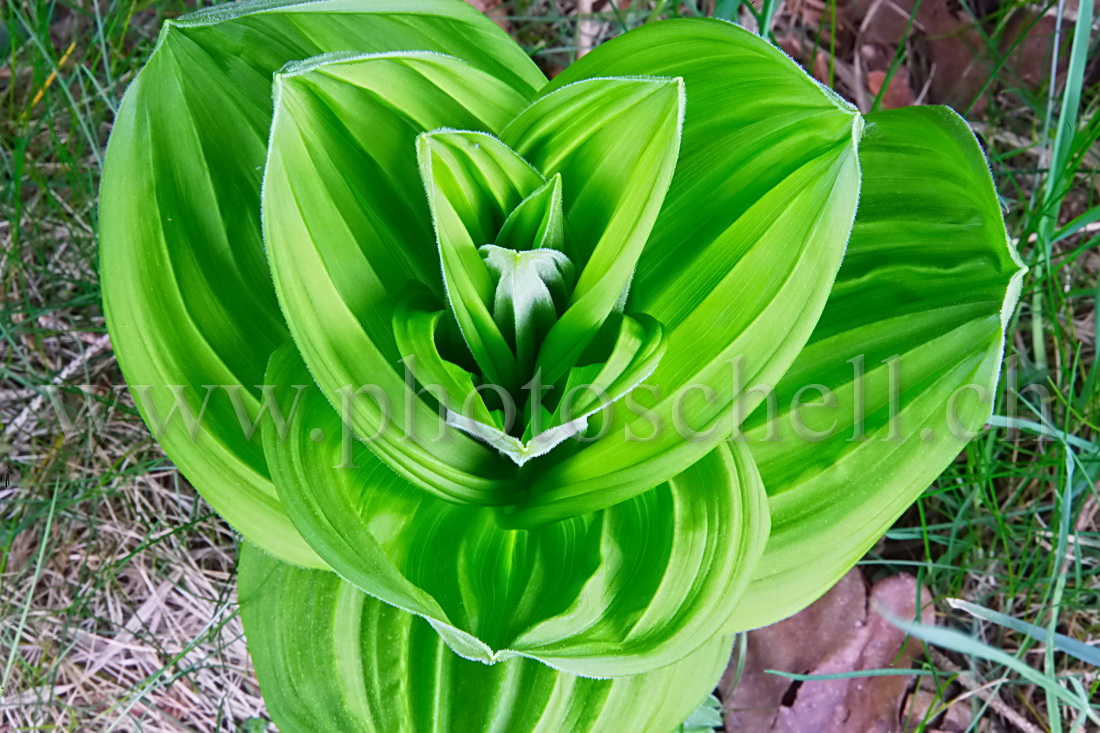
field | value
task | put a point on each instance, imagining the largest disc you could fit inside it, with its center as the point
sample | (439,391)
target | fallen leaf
(839,633)
(899,93)
(1030,59)
(956,62)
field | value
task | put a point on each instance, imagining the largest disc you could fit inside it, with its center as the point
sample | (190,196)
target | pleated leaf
(635,353)
(529,285)
(618,592)
(538,222)
(639,346)
(474,182)
(347,228)
(614,142)
(187,293)
(331,658)
(416,324)
(916,318)
(742,255)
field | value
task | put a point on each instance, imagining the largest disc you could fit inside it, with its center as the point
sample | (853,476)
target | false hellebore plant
(505,339)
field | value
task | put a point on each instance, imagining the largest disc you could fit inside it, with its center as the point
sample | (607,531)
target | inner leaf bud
(531,287)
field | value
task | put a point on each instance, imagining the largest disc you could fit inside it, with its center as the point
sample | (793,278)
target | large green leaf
(930,278)
(187,293)
(622,591)
(347,228)
(331,658)
(741,257)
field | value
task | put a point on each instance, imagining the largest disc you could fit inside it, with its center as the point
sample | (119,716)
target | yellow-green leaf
(910,348)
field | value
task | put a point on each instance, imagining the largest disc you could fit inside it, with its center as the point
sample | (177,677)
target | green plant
(492,349)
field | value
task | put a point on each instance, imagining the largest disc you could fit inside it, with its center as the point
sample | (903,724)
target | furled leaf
(635,353)
(614,142)
(529,284)
(538,222)
(347,227)
(916,319)
(618,592)
(330,657)
(474,182)
(416,322)
(639,345)
(187,293)
(742,255)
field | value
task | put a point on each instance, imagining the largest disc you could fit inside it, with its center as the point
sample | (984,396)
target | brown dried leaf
(881,22)
(958,61)
(839,633)
(1030,60)
(898,93)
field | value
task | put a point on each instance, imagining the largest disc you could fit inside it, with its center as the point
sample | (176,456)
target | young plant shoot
(525,395)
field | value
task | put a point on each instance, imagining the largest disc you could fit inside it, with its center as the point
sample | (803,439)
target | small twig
(927,86)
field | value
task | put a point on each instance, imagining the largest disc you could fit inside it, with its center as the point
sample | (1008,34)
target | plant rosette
(587,374)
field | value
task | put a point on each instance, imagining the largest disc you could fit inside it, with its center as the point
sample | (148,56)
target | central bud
(532,289)
(544,345)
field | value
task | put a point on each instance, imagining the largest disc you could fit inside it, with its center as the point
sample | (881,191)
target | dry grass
(126,630)
(117,588)
(117,606)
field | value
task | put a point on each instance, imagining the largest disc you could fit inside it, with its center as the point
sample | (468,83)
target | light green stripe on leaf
(329,657)
(474,182)
(740,259)
(614,142)
(186,288)
(538,222)
(416,322)
(617,592)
